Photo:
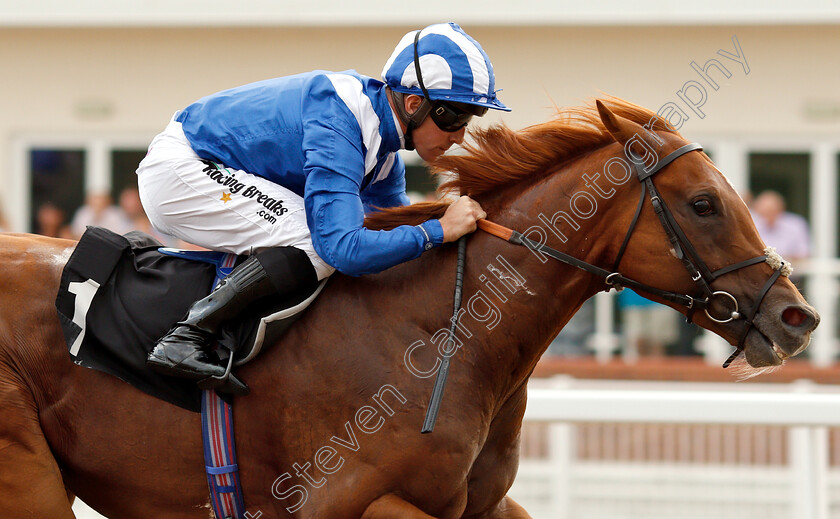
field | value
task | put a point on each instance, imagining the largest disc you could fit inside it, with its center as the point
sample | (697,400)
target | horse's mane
(499,156)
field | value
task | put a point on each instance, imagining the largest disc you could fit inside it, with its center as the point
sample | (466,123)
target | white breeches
(216,207)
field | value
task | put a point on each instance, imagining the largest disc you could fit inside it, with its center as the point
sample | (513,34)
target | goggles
(451,118)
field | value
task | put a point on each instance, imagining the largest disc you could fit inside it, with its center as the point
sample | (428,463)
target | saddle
(119,294)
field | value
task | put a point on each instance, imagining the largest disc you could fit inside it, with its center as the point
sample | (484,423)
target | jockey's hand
(460,218)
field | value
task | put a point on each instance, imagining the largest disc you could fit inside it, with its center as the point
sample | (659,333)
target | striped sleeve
(339,139)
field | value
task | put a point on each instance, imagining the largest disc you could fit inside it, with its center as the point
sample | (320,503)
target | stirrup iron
(226,383)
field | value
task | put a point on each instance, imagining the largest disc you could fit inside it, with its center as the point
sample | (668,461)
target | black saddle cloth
(141,293)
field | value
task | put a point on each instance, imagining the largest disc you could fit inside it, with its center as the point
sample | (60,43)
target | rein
(684,250)
(443,371)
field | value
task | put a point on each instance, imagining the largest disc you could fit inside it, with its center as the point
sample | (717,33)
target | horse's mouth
(762,350)
(779,332)
(779,353)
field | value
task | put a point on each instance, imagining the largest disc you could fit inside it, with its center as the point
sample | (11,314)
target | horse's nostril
(794,316)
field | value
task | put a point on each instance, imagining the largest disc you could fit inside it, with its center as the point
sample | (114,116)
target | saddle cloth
(119,294)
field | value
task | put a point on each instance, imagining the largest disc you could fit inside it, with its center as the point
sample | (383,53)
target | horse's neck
(552,292)
(515,306)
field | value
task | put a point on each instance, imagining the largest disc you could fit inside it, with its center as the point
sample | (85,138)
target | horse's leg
(495,467)
(31,486)
(506,509)
(392,507)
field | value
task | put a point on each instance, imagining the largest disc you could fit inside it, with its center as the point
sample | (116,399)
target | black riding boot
(184,351)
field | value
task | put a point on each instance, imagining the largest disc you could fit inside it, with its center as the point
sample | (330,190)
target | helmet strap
(415,119)
(417,71)
(410,120)
(426,105)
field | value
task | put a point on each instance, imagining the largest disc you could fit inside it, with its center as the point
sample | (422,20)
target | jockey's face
(430,141)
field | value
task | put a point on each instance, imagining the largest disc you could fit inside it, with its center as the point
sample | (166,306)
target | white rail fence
(665,452)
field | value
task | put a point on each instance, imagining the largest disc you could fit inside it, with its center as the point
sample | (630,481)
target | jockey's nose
(458,137)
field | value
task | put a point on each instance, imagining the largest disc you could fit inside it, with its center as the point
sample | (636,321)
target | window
(123,169)
(787,173)
(57,172)
(56,187)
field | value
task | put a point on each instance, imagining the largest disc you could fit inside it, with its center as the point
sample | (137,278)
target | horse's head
(695,236)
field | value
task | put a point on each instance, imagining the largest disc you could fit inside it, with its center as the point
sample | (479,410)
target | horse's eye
(703,207)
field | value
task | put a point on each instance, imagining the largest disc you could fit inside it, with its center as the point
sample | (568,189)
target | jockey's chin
(429,155)
(431,142)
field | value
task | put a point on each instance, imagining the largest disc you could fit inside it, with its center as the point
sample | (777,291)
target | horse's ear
(624,130)
(621,129)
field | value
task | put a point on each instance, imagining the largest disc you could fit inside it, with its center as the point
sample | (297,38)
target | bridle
(683,249)
(681,245)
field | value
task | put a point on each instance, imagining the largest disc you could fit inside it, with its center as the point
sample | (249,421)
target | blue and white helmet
(453,65)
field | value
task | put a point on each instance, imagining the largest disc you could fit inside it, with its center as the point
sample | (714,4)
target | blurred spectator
(100,211)
(647,327)
(787,232)
(133,209)
(50,221)
(747,197)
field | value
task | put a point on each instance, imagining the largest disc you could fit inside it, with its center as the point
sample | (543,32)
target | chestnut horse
(331,427)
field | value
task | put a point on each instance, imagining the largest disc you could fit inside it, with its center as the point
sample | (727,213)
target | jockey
(285,170)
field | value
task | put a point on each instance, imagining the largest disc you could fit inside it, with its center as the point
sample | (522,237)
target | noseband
(683,249)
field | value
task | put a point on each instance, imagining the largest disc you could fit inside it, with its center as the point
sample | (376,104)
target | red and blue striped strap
(219,449)
(220,457)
